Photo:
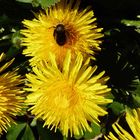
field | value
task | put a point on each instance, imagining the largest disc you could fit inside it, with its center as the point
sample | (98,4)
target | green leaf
(14,131)
(48,3)
(116,107)
(33,123)
(46,134)
(16,38)
(44,3)
(28,134)
(138,30)
(135,23)
(96,130)
(15,48)
(136,100)
(35,3)
(12,52)
(77,137)
(25,1)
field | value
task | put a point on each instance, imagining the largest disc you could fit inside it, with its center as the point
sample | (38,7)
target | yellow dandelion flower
(60,28)
(133,121)
(11,98)
(67,98)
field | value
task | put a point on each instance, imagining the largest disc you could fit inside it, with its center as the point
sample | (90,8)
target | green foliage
(15,48)
(25,1)
(44,3)
(15,130)
(47,3)
(135,23)
(28,134)
(117,108)
(47,134)
(21,131)
(96,130)
(136,101)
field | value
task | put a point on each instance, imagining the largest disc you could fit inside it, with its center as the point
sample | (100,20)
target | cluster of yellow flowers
(64,90)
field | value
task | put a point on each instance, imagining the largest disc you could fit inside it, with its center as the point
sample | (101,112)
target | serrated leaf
(48,3)
(14,131)
(28,134)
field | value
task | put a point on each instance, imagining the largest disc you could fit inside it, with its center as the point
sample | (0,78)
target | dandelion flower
(11,98)
(133,121)
(67,98)
(60,28)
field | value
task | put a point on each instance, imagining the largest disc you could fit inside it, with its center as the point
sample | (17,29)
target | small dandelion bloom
(61,27)
(133,121)
(67,98)
(11,97)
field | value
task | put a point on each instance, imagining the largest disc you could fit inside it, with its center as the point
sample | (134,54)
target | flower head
(11,97)
(60,28)
(133,121)
(67,98)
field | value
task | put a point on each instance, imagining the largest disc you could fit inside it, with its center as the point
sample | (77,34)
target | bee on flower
(61,27)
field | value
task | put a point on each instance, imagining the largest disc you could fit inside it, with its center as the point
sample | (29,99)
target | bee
(60,34)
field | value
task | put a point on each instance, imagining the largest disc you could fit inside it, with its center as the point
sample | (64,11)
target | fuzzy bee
(60,34)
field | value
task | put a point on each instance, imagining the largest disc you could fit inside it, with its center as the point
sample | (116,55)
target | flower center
(63,95)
